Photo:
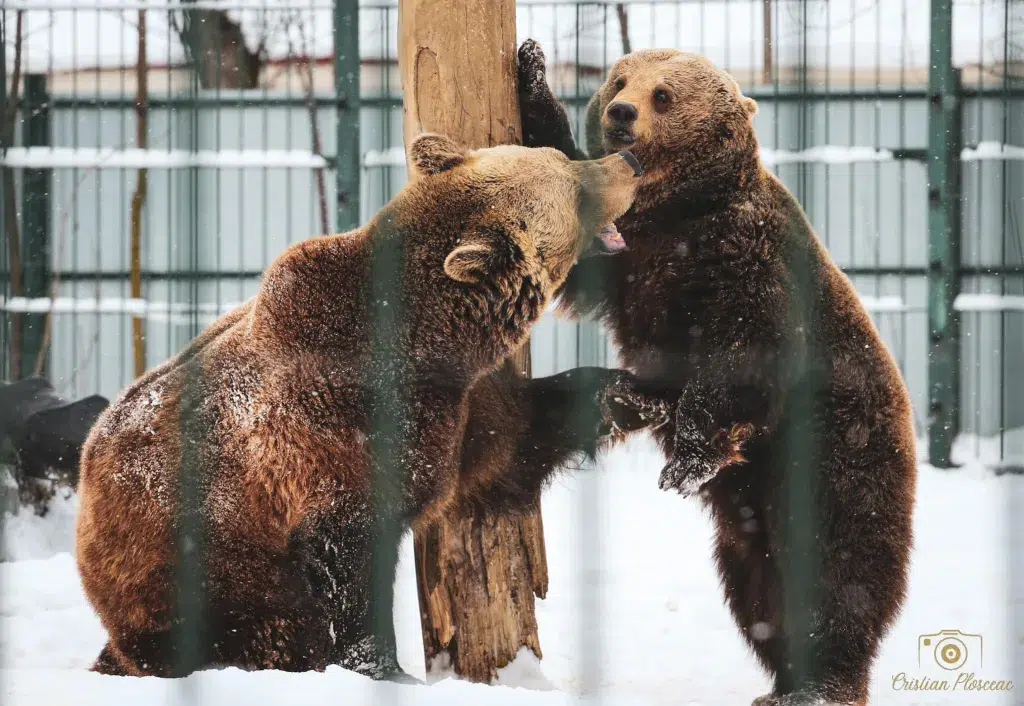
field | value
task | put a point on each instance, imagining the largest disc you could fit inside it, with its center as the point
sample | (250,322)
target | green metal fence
(896,124)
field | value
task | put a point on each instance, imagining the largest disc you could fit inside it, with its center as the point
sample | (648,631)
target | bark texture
(477,576)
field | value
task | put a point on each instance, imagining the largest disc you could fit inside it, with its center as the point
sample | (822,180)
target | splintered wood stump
(477,576)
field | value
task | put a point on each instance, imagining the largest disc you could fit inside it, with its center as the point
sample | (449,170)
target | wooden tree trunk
(476,576)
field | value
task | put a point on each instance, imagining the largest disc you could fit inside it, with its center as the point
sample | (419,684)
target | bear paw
(367,657)
(687,472)
(624,409)
(383,670)
(532,70)
(799,698)
(401,677)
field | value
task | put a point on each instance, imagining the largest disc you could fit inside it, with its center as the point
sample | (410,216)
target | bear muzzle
(609,188)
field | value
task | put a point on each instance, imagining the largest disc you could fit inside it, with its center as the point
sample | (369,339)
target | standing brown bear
(287,449)
(793,423)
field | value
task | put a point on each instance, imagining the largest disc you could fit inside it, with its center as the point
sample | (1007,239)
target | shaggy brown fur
(793,423)
(290,445)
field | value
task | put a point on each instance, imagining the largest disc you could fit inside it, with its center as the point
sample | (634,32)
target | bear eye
(620,83)
(661,96)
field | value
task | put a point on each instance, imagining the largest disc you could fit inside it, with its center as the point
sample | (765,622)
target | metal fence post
(346,93)
(944,227)
(35,236)
(5,175)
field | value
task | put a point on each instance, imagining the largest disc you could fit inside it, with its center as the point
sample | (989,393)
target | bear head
(523,213)
(685,120)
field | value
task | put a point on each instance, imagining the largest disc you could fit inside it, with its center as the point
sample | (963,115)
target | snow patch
(134,158)
(154,310)
(525,671)
(988,302)
(826,154)
(27,536)
(391,157)
(440,668)
(181,312)
(884,304)
(978,455)
(992,151)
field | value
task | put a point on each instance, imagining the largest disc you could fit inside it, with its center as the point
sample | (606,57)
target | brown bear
(793,423)
(242,504)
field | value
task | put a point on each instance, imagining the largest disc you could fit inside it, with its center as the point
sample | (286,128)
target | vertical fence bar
(35,238)
(1012,133)
(800,563)
(5,176)
(346,95)
(190,606)
(944,142)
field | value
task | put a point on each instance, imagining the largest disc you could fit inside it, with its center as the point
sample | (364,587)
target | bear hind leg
(108,663)
(353,574)
(750,579)
(370,646)
(137,654)
(832,664)
(246,639)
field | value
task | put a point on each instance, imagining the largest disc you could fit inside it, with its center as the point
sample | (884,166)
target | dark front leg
(707,438)
(581,409)
(523,431)
(545,123)
(729,398)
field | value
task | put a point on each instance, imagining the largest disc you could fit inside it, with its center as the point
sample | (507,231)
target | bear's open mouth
(609,240)
(620,137)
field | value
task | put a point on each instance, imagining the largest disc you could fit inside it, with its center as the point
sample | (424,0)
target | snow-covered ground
(634,608)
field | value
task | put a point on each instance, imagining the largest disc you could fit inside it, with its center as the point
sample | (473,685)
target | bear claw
(620,400)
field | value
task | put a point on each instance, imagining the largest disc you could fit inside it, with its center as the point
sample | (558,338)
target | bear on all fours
(288,447)
(792,422)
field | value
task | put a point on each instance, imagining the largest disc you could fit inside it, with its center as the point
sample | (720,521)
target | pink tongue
(613,242)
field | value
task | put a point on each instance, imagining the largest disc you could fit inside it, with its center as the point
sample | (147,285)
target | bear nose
(622,112)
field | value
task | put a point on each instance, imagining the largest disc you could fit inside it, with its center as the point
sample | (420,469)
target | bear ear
(490,252)
(468,263)
(749,105)
(433,154)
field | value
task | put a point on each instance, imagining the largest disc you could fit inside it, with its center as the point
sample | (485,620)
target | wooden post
(476,576)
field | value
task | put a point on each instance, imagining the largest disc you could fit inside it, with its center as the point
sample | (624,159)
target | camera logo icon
(950,649)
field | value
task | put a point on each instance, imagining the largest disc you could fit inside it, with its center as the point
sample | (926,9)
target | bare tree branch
(139,197)
(627,46)
(314,123)
(10,197)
